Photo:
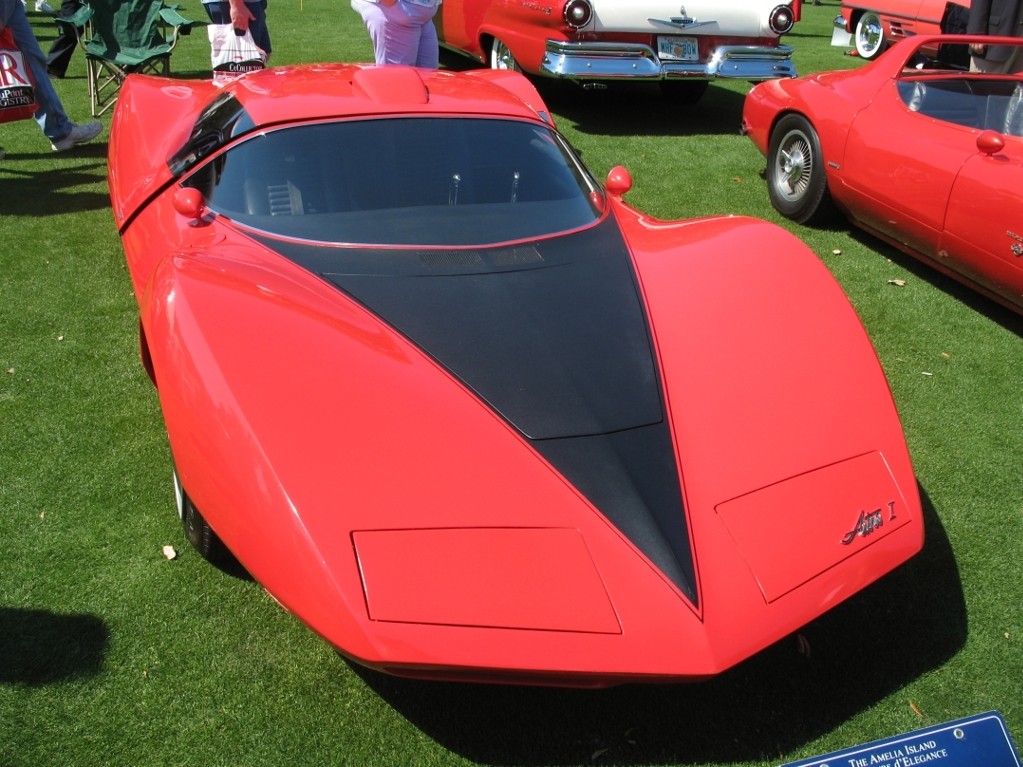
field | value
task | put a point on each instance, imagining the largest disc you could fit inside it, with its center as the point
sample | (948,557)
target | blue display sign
(977,741)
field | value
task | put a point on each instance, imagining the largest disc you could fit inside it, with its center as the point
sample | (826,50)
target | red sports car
(928,159)
(592,42)
(469,415)
(872,25)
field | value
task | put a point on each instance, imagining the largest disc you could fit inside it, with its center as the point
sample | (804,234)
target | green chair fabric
(120,37)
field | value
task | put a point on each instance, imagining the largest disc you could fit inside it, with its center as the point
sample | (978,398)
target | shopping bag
(233,54)
(17,96)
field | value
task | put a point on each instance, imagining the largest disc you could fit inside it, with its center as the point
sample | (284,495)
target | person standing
(63,47)
(50,115)
(243,14)
(1001,18)
(401,31)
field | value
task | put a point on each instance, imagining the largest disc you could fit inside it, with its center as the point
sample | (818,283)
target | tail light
(578,13)
(781,20)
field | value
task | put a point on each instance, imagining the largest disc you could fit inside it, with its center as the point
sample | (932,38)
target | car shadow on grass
(35,192)
(909,623)
(40,647)
(988,307)
(630,108)
(193,74)
(639,109)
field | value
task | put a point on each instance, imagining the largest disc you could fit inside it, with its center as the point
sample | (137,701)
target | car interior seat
(1013,123)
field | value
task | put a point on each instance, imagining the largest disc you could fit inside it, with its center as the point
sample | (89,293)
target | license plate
(840,37)
(678,48)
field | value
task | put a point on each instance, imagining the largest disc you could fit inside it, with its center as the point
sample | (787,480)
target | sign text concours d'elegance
(977,741)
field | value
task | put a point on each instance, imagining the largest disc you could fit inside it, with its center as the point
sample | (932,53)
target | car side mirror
(191,204)
(990,142)
(619,181)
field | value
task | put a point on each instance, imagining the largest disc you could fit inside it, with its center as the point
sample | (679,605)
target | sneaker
(44,7)
(79,135)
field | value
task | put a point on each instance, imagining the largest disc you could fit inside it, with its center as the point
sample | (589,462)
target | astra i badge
(868,522)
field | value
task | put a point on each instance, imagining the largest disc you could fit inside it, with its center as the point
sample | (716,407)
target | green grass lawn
(111,654)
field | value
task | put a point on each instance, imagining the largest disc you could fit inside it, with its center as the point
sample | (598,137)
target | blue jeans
(220,13)
(50,115)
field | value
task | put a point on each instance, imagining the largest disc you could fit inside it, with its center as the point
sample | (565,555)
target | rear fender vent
(451,258)
(504,258)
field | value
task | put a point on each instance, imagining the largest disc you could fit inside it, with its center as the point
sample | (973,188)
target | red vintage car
(872,25)
(469,415)
(592,42)
(927,158)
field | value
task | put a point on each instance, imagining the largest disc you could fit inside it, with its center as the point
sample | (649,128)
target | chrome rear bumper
(614,61)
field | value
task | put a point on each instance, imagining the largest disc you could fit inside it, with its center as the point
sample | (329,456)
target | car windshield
(402,181)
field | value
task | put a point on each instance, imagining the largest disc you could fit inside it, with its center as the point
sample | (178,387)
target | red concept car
(928,158)
(872,25)
(465,412)
(592,42)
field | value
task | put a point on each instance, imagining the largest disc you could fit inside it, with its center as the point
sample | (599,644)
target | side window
(984,104)
(948,100)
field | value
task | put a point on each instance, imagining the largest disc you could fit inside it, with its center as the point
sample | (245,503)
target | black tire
(501,57)
(796,181)
(868,36)
(199,533)
(683,92)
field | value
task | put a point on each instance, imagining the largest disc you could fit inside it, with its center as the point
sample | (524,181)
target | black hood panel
(553,336)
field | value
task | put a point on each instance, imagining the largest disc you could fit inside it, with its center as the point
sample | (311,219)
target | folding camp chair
(120,37)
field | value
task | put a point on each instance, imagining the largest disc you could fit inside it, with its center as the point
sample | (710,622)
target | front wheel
(796,181)
(198,531)
(869,36)
(501,57)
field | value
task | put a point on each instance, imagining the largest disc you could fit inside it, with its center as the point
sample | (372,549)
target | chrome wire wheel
(796,181)
(794,166)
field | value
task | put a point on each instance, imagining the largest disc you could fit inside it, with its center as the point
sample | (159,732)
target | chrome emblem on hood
(868,522)
(684,21)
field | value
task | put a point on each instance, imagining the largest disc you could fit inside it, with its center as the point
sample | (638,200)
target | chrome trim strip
(682,22)
(634,61)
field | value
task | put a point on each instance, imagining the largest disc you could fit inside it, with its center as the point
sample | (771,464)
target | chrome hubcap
(869,35)
(503,58)
(795,166)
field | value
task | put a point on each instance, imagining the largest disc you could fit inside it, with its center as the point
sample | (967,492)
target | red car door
(899,169)
(458,22)
(983,238)
(925,16)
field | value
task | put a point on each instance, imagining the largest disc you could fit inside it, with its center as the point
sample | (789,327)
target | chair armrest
(78,19)
(171,17)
